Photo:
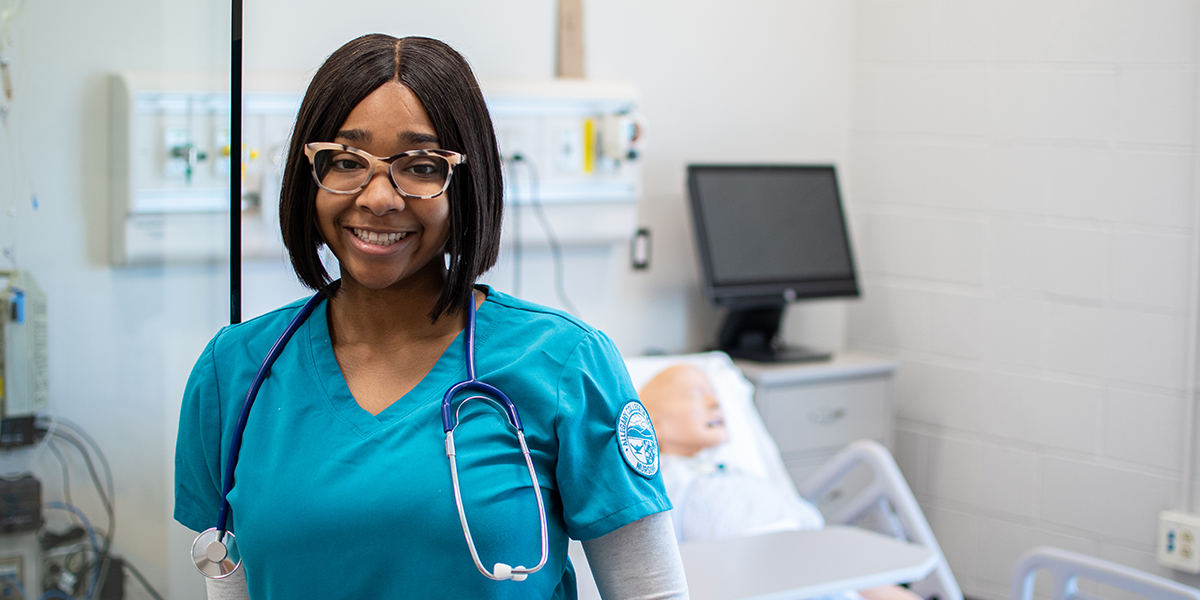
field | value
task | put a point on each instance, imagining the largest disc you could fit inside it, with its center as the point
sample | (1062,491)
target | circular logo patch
(635,434)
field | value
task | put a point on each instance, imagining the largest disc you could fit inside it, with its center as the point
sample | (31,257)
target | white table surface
(792,565)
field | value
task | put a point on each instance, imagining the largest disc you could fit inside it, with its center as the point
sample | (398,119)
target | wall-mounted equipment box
(169,168)
(577,142)
(23,337)
(571,146)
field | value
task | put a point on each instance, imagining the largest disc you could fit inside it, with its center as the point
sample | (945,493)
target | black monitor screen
(768,233)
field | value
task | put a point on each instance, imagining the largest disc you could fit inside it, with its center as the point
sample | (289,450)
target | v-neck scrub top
(331,501)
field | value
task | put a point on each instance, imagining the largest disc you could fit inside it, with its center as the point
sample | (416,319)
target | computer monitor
(768,235)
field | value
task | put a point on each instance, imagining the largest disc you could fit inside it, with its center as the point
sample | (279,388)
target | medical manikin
(713,500)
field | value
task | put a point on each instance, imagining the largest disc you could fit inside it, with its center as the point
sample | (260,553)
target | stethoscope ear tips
(504,572)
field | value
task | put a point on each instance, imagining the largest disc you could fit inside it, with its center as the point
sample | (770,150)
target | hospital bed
(802,564)
(1066,569)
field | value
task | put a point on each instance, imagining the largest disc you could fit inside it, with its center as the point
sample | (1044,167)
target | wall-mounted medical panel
(571,146)
(169,169)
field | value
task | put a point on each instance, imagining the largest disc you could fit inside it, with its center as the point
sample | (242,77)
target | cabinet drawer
(819,416)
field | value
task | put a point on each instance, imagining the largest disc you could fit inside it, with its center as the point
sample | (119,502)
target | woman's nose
(380,196)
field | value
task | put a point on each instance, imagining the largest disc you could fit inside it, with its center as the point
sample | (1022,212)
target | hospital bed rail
(1066,568)
(888,494)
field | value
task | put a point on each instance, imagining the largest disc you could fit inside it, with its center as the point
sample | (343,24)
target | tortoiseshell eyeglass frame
(453,158)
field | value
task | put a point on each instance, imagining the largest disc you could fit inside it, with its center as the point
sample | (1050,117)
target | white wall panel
(1115,503)
(1156,31)
(1007,480)
(1151,269)
(1156,107)
(1147,348)
(947,176)
(1152,189)
(1076,340)
(938,395)
(1042,411)
(922,101)
(1013,330)
(1143,427)
(1076,174)
(1065,261)
(956,325)
(1060,104)
(954,471)
(940,249)
(912,456)
(1057,30)
(891,317)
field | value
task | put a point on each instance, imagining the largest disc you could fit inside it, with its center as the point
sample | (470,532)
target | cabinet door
(828,415)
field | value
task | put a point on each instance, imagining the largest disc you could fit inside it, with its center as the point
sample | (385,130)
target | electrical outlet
(1179,541)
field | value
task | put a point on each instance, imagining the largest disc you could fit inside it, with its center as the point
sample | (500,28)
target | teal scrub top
(331,501)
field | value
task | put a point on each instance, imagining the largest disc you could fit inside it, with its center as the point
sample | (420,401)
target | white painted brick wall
(1021,182)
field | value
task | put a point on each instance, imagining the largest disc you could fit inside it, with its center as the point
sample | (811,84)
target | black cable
(516,216)
(555,248)
(142,580)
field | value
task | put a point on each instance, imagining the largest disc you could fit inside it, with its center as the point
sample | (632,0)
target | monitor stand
(750,333)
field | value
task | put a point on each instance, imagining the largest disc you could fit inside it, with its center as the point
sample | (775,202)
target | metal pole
(235,170)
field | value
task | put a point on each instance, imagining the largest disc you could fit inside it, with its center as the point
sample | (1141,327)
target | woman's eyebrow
(354,135)
(413,137)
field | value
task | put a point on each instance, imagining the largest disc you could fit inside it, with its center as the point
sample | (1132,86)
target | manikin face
(684,409)
(382,239)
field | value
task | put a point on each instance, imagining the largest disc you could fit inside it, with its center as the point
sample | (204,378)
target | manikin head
(684,409)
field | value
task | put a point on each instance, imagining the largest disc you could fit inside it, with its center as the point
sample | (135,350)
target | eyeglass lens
(421,175)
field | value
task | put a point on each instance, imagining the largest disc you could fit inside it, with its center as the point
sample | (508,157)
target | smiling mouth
(378,239)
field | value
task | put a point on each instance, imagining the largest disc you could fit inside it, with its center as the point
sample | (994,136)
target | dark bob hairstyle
(442,80)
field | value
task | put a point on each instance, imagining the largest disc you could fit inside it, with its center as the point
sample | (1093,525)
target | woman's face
(380,238)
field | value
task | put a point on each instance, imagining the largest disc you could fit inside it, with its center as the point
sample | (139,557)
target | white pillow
(750,448)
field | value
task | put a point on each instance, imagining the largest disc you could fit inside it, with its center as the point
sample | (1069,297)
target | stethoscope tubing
(474,385)
(500,571)
(235,445)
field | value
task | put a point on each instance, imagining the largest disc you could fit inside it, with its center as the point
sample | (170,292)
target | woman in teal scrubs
(342,487)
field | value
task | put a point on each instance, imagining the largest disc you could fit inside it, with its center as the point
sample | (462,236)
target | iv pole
(235,170)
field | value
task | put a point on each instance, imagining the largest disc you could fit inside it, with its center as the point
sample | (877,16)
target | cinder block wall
(1022,188)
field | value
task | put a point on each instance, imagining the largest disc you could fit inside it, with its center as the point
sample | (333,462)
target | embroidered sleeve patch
(635,435)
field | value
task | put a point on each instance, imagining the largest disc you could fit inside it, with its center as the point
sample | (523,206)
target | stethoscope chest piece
(216,554)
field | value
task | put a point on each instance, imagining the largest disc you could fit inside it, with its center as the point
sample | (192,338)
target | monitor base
(750,333)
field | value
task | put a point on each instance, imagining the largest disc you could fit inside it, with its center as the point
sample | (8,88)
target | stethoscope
(215,551)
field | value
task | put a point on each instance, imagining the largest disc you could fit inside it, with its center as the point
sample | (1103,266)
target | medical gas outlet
(571,150)
(1179,541)
(170,168)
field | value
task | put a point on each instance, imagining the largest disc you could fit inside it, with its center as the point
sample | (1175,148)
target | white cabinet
(814,409)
